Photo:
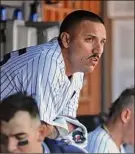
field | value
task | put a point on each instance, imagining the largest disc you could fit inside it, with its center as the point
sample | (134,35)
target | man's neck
(68,68)
(115,132)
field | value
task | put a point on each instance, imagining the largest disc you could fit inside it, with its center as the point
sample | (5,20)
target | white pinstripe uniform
(99,141)
(40,71)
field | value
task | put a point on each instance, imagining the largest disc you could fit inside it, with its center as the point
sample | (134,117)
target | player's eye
(22,140)
(23,143)
(90,39)
(103,42)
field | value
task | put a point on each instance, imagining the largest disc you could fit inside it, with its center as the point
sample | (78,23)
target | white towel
(77,137)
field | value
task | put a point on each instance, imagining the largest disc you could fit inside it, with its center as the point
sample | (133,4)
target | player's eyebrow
(19,134)
(94,36)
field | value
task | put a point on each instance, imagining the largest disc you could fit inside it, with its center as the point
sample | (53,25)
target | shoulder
(97,135)
(49,49)
(97,131)
(52,55)
(98,140)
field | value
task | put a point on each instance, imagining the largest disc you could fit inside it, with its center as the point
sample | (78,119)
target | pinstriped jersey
(99,141)
(40,71)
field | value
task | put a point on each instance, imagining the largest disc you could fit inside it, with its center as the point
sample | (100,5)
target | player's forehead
(21,122)
(89,27)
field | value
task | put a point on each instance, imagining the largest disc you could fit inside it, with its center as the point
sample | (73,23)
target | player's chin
(89,69)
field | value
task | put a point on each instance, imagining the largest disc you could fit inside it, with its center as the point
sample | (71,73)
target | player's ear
(125,115)
(44,131)
(65,39)
(41,133)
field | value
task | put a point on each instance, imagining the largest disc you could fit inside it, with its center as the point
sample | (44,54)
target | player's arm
(47,91)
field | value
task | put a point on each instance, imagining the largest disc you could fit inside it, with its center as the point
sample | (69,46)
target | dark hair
(76,17)
(124,100)
(18,102)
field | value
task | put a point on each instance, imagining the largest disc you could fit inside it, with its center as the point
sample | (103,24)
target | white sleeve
(71,107)
(47,89)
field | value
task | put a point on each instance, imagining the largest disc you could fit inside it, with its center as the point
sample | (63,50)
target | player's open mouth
(94,57)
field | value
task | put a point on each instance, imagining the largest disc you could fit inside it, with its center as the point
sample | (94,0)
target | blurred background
(26,23)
